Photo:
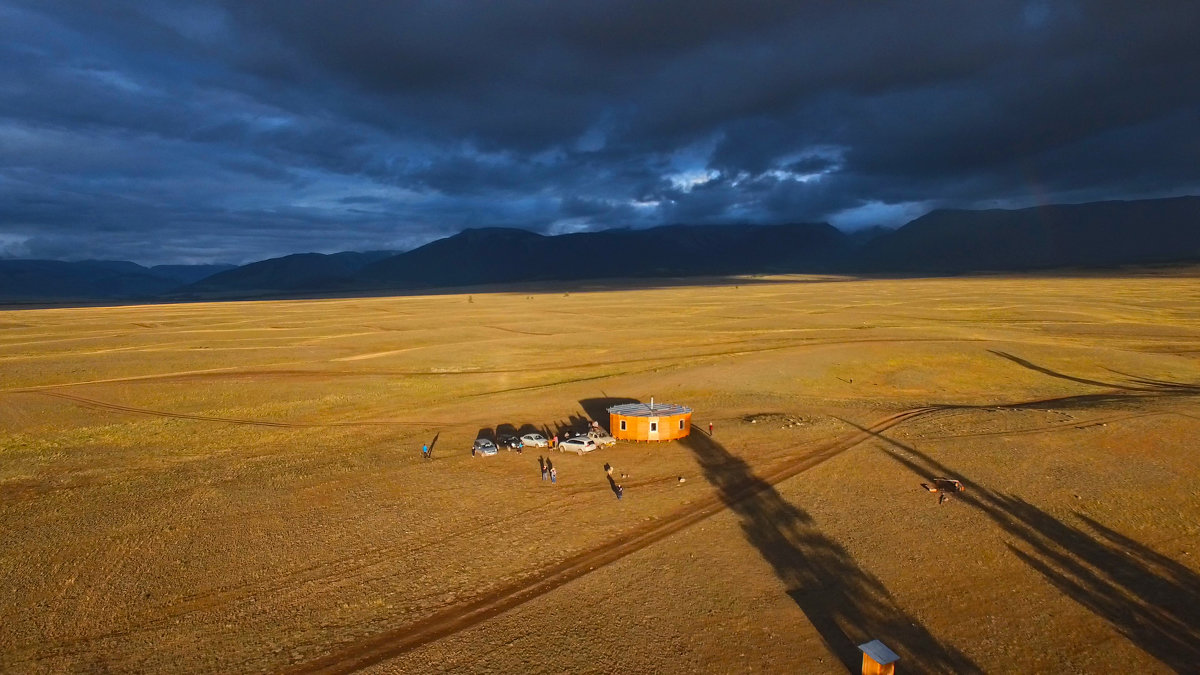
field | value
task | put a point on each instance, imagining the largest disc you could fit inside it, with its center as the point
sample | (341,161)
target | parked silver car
(483,447)
(535,441)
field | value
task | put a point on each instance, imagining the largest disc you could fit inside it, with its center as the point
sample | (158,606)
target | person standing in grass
(710,429)
(542,466)
(553,475)
(425,451)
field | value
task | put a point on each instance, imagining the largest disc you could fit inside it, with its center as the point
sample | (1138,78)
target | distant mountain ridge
(55,280)
(1068,235)
(496,255)
(1098,234)
(296,272)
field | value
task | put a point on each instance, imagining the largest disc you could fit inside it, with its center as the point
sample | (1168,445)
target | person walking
(425,451)
(620,491)
(542,466)
(553,475)
(710,428)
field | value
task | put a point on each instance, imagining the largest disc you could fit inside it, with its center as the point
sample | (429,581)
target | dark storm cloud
(206,130)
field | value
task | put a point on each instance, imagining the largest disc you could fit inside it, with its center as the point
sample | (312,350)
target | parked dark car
(510,442)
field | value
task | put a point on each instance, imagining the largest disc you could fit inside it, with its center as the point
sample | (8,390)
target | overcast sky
(234,131)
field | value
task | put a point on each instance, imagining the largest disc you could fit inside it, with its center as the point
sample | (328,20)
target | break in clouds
(234,131)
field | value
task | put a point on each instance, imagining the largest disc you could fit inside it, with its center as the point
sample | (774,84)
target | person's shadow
(612,484)
(432,444)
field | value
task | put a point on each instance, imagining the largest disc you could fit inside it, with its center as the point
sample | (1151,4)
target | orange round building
(649,421)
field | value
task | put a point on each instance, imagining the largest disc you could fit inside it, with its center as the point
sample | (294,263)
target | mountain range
(84,280)
(1098,234)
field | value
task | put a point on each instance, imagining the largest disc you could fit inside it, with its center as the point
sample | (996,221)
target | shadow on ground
(597,408)
(844,602)
(1133,386)
(1152,600)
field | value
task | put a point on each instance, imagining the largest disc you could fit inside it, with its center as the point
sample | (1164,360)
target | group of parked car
(595,437)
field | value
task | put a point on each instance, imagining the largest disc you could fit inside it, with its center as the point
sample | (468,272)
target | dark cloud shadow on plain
(1150,599)
(845,603)
(1133,387)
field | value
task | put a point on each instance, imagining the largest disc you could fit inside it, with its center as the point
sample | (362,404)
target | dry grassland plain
(238,487)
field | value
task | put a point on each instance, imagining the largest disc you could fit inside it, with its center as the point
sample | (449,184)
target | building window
(653,427)
(622,425)
(681,425)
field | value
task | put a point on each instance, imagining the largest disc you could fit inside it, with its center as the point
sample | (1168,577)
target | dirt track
(454,619)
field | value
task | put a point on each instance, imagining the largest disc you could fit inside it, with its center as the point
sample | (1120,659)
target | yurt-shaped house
(649,421)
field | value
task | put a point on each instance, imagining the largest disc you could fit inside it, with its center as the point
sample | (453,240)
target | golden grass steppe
(233,487)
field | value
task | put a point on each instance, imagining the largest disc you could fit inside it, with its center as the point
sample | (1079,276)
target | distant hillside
(297,272)
(1094,234)
(189,274)
(495,255)
(1100,234)
(55,280)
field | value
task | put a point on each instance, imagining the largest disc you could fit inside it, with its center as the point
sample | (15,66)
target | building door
(653,435)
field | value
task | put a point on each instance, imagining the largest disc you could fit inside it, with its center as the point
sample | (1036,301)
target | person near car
(555,440)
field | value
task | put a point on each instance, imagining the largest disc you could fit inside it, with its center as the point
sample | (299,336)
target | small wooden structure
(878,659)
(649,421)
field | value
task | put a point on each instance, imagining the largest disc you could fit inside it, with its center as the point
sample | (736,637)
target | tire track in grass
(388,644)
(103,405)
(273,369)
(353,567)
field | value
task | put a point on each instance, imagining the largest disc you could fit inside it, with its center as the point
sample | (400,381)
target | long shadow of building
(846,604)
(1152,600)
